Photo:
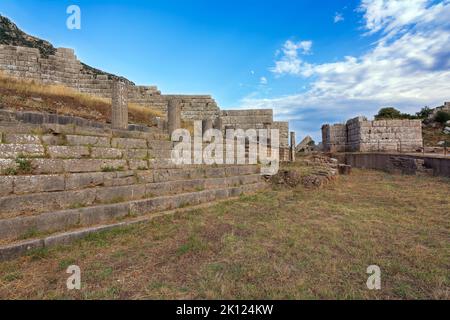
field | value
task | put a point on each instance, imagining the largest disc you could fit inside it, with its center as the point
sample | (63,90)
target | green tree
(388,113)
(424,113)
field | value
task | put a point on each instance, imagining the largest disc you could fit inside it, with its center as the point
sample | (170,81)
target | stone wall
(64,68)
(334,137)
(247,119)
(360,135)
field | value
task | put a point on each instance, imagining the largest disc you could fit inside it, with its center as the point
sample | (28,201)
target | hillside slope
(10,34)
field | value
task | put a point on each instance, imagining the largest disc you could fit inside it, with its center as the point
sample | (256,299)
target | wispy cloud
(408,67)
(289,61)
(263,80)
(338,17)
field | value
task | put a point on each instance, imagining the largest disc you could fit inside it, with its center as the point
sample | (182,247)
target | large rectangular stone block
(41,183)
(13,151)
(21,138)
(63,152)
(126,143)
(94,165)
(92,141)
(6,185)
(106,153)
(87,180)
(47,166)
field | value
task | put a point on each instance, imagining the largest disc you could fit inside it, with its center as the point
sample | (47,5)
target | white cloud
(290,62)
(338,17)
(263,80)
(408,67)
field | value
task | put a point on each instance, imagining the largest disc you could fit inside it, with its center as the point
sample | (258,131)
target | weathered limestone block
(10,151)
(139,154)
(87,180)
(121,178)
(6,185)
(40,183)
(119,105)
(63,152)
(21,139)
(47,166)
(126,143)
(41,202)
(119,194)
(106,153)
(93,165)
(53,139)
(138,164)
(93,141)
(102,214)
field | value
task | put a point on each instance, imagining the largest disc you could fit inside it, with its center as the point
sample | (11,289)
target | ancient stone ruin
(361,135)
(66,177)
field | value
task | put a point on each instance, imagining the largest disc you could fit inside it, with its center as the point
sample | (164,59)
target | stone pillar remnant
(119,105)
(293,143)
(218,124)
(173,115)
(206,125)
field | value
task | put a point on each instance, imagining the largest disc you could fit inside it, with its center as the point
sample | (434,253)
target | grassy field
(280,244)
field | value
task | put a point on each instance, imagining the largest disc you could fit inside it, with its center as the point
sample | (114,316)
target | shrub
(442,117)
(24,165)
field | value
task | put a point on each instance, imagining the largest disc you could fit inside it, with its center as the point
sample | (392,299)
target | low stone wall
(396,163)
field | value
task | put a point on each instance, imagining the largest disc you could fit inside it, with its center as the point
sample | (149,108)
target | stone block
(120,194)
(138,164)
(106,153)
(17,249)
(40,183)
(94,165)
(136,154)
(101,214)
(21,139)
(47,166)
(87,180)
(12,151)
(63,152)
(126,143)
(6,185)
(93,141)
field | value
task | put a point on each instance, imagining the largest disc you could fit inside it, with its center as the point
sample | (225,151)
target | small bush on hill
(442,117)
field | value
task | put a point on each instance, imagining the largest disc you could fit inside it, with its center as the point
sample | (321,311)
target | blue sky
(313,62)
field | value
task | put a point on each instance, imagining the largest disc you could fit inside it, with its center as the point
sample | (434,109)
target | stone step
(34,203)
(151,209)
(54,221)
(26,184)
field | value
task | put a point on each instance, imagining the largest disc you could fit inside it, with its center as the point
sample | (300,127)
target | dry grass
(280,244)
(28,95)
